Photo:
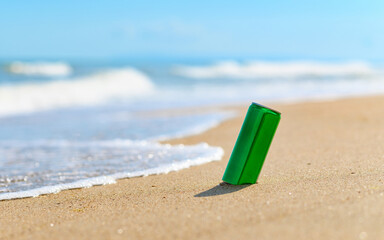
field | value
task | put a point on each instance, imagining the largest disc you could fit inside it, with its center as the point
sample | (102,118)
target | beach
(322,179)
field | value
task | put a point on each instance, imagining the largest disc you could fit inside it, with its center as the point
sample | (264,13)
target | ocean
(74,124)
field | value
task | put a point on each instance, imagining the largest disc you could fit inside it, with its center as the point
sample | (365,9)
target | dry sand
(323,179)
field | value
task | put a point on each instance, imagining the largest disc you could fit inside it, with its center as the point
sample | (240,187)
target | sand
(322,179)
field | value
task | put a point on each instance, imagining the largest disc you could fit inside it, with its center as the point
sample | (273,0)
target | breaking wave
(40,68)
(297,69)
(89,90)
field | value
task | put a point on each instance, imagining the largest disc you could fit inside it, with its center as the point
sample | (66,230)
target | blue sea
(72,124)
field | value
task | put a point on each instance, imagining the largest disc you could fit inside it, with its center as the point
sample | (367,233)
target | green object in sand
(252,145)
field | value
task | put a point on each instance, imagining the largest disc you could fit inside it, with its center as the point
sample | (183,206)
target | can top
(262,106)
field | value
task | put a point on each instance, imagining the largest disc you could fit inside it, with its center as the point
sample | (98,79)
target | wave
(68,165)
(297,69)
(89,90)
(53,69)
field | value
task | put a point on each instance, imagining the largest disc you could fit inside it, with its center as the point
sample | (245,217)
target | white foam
(186,156)
(231,69)
(90,90)
(40,68)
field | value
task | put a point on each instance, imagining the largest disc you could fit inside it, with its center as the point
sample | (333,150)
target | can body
(252,145)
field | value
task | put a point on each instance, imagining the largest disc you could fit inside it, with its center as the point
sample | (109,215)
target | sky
(243,29)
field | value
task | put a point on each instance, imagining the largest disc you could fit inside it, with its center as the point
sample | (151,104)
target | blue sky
(107,29)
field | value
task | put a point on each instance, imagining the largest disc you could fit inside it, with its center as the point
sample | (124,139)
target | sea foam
(89,90)
(40,68)
(232,69)
(60,165)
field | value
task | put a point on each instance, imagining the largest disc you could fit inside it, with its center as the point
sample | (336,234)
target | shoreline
(322,179)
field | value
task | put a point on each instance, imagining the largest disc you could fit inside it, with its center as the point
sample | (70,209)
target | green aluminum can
(252,145)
